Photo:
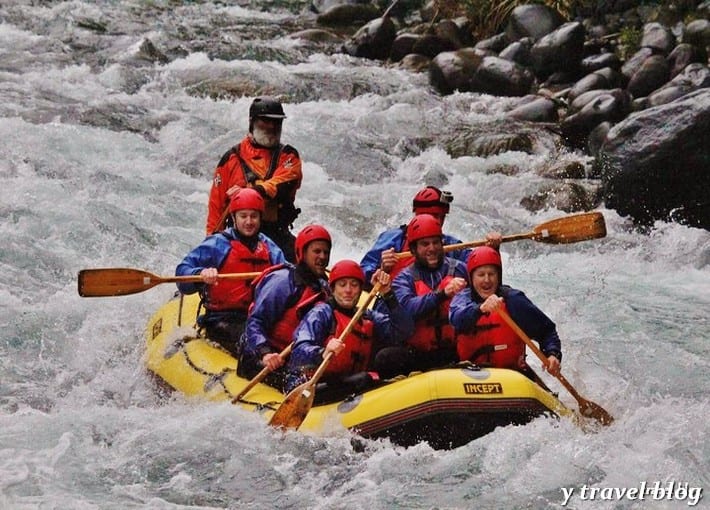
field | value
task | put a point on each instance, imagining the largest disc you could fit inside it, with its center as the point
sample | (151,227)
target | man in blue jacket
(238,249)
(282,295)
(424,289)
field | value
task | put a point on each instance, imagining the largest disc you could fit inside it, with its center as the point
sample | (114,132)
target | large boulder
(655,164)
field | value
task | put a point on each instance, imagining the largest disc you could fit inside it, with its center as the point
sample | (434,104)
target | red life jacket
(237,294)
(432,331)
(305,298)
(492,343)
(358,346)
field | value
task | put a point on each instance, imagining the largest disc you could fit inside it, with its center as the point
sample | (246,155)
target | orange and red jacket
(250,165)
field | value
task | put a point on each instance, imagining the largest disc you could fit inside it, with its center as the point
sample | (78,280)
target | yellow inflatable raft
(446,407)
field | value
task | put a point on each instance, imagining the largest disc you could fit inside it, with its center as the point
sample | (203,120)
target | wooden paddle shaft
(587,407)
(261,375)
(321,368)
(565,230)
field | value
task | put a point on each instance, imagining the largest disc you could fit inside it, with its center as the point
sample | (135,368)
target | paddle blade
(295,407)
(114,282)
(571,229)
(589,409)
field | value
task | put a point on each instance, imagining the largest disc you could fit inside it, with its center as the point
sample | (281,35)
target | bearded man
(260,161)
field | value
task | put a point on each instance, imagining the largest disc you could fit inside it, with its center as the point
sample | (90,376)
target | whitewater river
(106,161)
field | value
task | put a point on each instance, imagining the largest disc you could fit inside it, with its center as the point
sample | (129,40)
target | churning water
(106,160)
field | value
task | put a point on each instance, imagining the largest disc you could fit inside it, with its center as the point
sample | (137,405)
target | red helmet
(431,200)
(246,198)
(482,256)
(307,235)
(346,269)
(421,226)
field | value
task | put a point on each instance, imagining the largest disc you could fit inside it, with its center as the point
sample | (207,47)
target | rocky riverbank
(623,86)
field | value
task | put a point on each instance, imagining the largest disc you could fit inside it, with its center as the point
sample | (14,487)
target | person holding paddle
(424,289)
(282,295)
(238,249)
(383,254)
(482,336)
(260,161)
(353,367)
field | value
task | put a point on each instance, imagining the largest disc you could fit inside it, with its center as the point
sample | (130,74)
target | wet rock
(697,33)
(591,109)
(693,77)
(563,170)
(502,77)
(495,137)
(665,94)
(595,139)
(348,14)
(532,20)
(605,78)
(518,52)
(402,45)
(595,62)
(560,50)
(657,37)
(148,51)
(565,196)
(655,163)
(635,62)
(373,41)
(536,109)
(653,73)
(431,45)
(495,43)
(455,70)
(683,55)
(316,35)
(415,62)
(449,30)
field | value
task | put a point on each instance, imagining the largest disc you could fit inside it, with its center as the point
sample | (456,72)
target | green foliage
(629,41)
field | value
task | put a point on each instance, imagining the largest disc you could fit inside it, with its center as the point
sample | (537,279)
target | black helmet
(266,107)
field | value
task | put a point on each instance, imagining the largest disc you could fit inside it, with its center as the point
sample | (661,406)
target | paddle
(261,375)
(565,230)
(119,281)
(586,407)
(298,402)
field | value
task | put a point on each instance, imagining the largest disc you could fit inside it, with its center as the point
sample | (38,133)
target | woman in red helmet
(429,200)
(282,295)
(424,289)
(238,249)
(351,369)
(260,161)
(486,339)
